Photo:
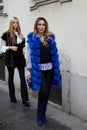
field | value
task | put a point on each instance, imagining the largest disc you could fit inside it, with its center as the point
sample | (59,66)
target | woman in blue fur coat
(42,65)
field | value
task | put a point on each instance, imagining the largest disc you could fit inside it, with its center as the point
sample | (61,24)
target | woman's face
(41,27)
(15,24)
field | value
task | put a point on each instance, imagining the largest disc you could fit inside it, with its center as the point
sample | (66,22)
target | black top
(45,56)
(14,59)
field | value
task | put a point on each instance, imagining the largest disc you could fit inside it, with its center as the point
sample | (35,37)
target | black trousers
(44,93)
(23,86)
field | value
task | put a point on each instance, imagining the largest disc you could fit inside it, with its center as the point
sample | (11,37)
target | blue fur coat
(34,44)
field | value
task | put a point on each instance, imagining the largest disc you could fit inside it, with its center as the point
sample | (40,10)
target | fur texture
(34,44)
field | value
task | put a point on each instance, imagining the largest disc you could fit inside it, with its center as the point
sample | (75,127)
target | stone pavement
(18,117)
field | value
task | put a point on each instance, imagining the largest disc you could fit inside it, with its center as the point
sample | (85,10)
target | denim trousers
(43,95)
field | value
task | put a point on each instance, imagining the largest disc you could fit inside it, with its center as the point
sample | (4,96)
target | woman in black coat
(13,43)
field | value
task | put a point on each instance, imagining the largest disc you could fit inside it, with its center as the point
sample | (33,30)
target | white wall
(20,9)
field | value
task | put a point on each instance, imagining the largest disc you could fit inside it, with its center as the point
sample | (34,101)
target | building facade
(67,19)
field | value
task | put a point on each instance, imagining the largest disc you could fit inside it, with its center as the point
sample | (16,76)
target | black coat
(12,58)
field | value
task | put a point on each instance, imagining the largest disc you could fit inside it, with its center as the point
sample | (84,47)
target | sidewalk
(18,117)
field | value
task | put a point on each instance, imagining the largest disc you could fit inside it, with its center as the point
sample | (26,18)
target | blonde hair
(47,33)
(11,31)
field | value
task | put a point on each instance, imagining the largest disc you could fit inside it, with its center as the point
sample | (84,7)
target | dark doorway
(2,69)
(56,95)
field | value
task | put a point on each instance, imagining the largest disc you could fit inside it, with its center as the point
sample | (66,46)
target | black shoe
(45,121)
(3,124)
(27,104)
(39,123)
(39,120)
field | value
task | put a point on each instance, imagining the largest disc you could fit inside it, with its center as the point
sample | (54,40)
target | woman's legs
(11,84)
(43,96)
(23,86)
(40,108)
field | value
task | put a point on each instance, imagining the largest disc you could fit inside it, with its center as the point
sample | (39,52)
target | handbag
(2,55)
(29,82)
(7,55)
(3,51)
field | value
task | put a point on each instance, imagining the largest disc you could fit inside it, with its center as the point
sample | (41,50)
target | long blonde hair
(11,31)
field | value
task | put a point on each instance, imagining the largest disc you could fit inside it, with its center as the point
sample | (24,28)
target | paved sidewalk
(18,117)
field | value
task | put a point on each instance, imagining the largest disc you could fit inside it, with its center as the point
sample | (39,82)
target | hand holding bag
(4,49)
(29,82)
(7,55)
(28,78)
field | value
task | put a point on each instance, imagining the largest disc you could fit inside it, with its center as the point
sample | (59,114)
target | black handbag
(2,55)
(5,53)
(7,56)
(29,82)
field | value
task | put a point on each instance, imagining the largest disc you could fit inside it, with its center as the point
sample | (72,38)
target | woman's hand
(28,74)
(14,48)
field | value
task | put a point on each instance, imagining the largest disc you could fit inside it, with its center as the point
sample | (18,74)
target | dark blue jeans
(44,93)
